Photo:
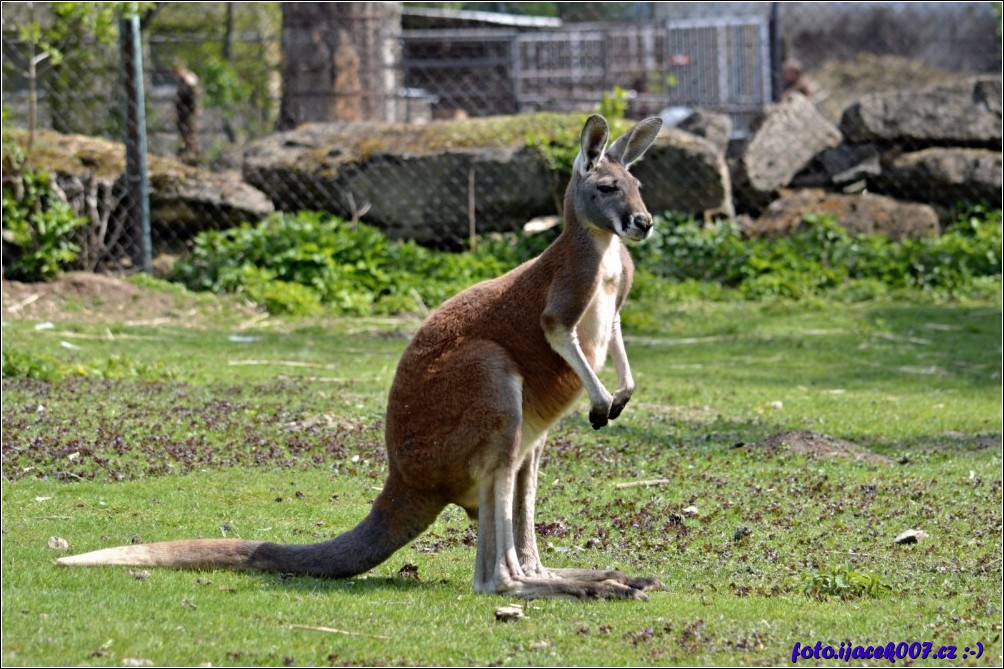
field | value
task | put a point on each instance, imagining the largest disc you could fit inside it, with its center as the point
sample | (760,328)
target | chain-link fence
(373,110)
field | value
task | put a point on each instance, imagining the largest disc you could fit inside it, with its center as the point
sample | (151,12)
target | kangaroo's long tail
(398,516)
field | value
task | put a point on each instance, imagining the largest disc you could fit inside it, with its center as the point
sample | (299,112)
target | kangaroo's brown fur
(474,394)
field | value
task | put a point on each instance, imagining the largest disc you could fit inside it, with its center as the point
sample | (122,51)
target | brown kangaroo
(474,394)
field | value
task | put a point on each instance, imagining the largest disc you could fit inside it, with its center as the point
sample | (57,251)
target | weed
(843,582)
(37,229)
(820,257)
(23,364)
(30,365)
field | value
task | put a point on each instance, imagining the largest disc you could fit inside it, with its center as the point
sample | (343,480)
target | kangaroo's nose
(642,221)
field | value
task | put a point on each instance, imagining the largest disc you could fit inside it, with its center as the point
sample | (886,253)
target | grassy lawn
(807,435)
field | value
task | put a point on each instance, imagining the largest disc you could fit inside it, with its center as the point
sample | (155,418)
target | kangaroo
(474,395)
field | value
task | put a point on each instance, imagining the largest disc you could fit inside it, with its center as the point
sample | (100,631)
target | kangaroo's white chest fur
(596,327)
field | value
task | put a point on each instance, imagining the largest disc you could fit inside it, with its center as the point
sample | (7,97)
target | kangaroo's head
(603,194)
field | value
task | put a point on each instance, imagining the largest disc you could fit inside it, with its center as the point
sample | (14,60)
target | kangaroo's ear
(635,142)
(592,143)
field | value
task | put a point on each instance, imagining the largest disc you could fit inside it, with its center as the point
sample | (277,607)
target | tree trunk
(339,61)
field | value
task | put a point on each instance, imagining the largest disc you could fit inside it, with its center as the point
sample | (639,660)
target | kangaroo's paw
(621,398)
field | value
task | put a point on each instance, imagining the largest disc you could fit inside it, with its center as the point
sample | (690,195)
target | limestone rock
(910,536)
(180,196)
(967,112)
(787,137)
(863,213)
(946,176)
(849,162)
(714,127)
(190,199)
(685,173)
(414,181)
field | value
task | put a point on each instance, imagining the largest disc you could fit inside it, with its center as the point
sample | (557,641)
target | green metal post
(134,115)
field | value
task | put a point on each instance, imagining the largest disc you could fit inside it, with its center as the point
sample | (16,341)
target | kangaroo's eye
(607,188)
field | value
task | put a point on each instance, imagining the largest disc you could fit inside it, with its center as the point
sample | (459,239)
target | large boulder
(414,181)
(685,173)
(712,126)
(966,112)
(946,176)
(183,199)
(863,213)
(842,82)
(428,197)
(411,181)
(784,141)
(187,199)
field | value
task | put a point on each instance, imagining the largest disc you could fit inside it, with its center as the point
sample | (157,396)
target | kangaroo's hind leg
(508,560)
(525,503)
(526,535)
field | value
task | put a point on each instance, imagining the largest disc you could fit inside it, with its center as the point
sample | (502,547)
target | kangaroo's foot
(554,587)
(532,567)
(643,583)
(530,580)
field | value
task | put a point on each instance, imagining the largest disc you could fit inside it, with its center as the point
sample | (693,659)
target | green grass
(278,436)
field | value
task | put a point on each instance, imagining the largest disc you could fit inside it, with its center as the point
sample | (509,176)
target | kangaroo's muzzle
(637,226)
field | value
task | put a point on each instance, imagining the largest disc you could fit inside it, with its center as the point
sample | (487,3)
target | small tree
(71,53)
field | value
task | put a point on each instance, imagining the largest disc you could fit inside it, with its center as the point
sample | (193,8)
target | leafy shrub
(822,257)
(37,229)
(295,263)
(681,249)
(17,364)
(281,297)
(843,582)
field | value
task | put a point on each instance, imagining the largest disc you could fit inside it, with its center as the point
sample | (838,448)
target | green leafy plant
(26,364)
(820,256)
(614,104)
(21,364)
(282,297)
(843,582)
(223,85)
(235,73)
(61,38)
(37,229)
(294,263)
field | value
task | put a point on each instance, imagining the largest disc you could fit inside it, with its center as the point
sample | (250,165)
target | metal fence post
(776,51)
(134,117)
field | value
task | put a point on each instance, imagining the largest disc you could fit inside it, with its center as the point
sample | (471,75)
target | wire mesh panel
(721,65)
(560,70)
(460,71)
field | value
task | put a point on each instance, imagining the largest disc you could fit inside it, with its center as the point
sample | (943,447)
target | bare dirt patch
(817,445)
(95,298)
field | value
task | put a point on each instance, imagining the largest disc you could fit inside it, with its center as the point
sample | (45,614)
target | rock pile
(895,162)
(425,183)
